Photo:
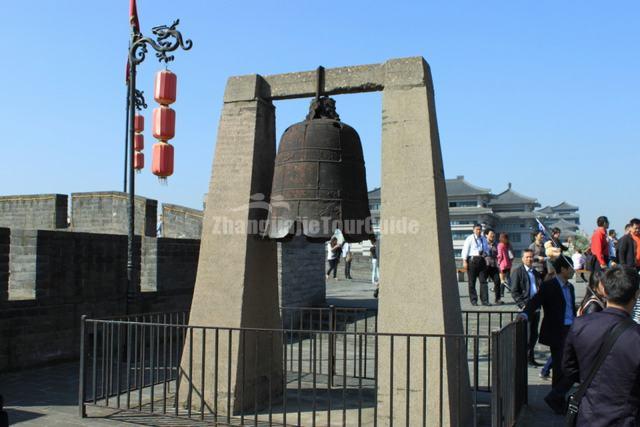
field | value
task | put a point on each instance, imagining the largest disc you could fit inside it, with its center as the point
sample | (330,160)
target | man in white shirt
(474,250)
(579,260)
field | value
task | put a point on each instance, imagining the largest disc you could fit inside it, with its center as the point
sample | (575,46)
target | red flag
(133,16)
(135,28)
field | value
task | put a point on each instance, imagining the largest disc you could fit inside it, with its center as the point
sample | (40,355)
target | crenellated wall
(57,276)
(106,212)
(51,274)
(4,264)
(34,211)
(98,212)
(168,264)
(181,222)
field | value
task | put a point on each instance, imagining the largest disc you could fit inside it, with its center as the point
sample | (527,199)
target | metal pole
(126,141)
(131,206)
(137,51)
(81,398)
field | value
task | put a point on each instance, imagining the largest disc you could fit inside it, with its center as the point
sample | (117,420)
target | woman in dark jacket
(593,300)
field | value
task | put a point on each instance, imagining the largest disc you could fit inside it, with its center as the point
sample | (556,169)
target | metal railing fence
(158,368)
(510,382)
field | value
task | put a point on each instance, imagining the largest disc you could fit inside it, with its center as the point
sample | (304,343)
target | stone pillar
(237,279)
(418,292)
(301,267)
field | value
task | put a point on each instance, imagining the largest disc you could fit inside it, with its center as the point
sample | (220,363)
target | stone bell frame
(237,278)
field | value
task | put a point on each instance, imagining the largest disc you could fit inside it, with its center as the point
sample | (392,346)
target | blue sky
(543,94)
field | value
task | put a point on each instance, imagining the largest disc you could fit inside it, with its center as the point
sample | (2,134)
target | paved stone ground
(48,396)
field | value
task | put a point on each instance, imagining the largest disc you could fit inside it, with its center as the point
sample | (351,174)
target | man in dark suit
(627,247)
(557,298)
(613,397)
(525,283)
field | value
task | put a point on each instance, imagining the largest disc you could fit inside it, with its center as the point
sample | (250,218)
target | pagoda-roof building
(564,206)
(563,224)
(461,187)
(547,210)
(511,198)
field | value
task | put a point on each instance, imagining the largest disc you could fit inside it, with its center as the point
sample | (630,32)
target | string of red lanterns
(164,124)
(138,143)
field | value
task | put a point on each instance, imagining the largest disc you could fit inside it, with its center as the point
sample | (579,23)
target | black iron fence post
(332,344)
(496,400)
(81,407)
(507,359)
(522,360)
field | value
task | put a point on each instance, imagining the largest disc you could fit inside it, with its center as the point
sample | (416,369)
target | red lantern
(138,123)
(138,161)
(164,123)
(138,142)
(162,164)
(164,91)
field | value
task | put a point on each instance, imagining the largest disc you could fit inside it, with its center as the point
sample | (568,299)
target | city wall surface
(54,269)
(35,211)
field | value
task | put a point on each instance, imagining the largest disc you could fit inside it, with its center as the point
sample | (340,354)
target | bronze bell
(319,180)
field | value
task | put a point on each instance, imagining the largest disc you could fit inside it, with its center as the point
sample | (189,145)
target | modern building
(509,211)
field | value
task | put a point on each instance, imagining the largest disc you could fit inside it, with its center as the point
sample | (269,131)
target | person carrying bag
(574,400)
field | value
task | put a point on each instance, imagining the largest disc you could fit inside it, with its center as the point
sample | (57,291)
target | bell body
(164,88)
(164,123)
(319,183)
(162,162)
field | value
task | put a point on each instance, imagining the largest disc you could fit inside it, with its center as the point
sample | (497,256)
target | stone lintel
(341,80)
(406,72)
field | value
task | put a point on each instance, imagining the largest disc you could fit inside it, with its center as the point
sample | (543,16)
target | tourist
(578,263)
(525,284)
(613,244)
(473,252)
(628,245)
(594,300)
(612,397)
(159,226)
(348,257)
(491,259)
(545,372)
(375,268)
(505,258)
(629,255)
(333,256)
(553,249)
(556,296)
(599,244)
(539,256)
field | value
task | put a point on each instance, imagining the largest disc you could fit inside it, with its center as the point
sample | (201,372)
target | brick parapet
(34,211)
(106,212)
(5,236)
(181,222)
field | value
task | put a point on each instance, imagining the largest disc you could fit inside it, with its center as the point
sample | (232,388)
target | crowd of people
(595,343)
(339,249)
